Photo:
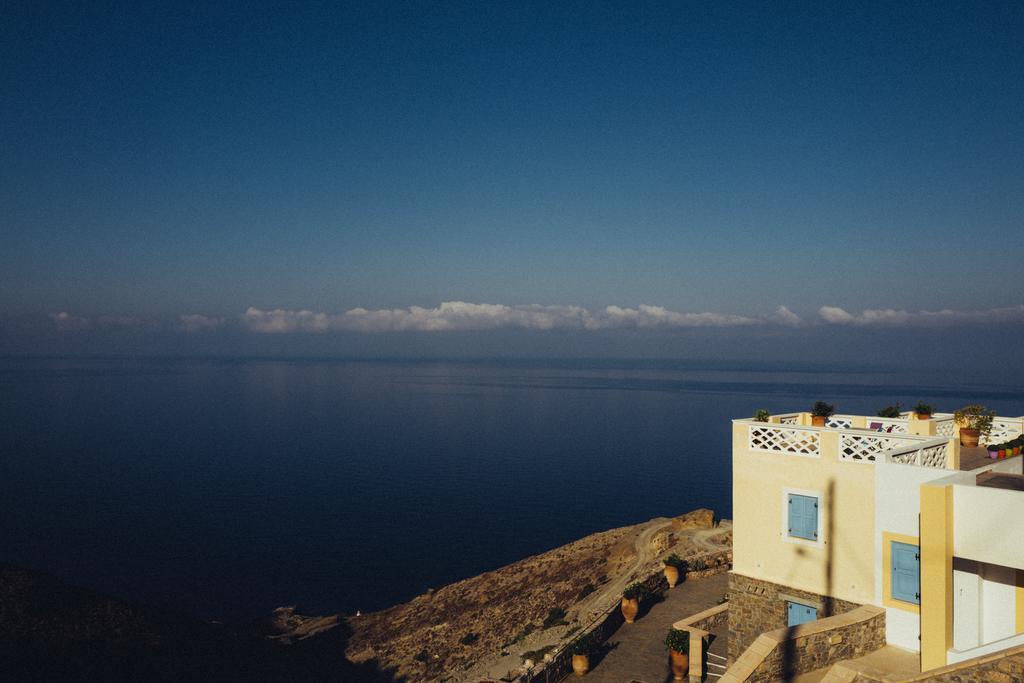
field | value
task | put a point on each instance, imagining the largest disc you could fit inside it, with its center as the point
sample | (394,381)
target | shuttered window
(797,614)
(803,517)
(906,572)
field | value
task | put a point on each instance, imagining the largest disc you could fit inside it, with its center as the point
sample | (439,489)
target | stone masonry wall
(859,635)
(756,606)
(1002,667)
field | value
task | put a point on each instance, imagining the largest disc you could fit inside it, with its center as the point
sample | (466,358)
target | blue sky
(160,161)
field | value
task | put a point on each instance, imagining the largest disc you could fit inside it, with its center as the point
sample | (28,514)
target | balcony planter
(580,650)
(993,452)
(675,567)
(631,601)
(630,608)
(969,437)
(973,420)
(923,411)
(678,643)
(821,412)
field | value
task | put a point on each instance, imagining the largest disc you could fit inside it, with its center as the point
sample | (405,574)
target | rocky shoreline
(480,628)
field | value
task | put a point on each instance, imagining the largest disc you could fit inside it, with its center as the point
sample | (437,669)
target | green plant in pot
(821,412)
(678,643)
(581,648)
(631,601)
(675,568)
(762,415)
(889,411)
(974,421)
(923,411)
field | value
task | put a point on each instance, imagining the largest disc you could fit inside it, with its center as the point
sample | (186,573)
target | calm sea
(227,487)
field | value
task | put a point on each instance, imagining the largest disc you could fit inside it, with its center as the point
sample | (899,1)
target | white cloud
(784,316)
(656,316)
(834,315)
(198,323)
(461,315)
(279,320)
(900,318)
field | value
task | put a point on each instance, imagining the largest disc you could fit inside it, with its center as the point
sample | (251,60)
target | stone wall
(1000,667)
(757,606)
(785,653)
(718,618)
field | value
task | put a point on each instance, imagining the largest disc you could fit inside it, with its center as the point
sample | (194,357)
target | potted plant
(821,412)
(762,415)
(923,411)
(974,420)
(581,649)
(678,643)
(675,567)
(993,451)
(890,411)
(631,601)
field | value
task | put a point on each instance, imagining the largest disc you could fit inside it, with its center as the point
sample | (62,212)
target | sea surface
(226,487)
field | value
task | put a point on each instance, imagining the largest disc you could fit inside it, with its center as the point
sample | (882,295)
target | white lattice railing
(774,438)
(944,426)
(933,453)
(1003,429)
(858,446)
(889,425)
(788,419)
(840,421)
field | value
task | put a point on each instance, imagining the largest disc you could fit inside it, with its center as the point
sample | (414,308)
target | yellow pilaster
(936,574)
(1020,601)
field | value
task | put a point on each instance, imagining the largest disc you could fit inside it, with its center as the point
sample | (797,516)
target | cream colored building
(889,512)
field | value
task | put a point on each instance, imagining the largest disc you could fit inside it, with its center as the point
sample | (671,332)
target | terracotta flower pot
(630,608)
(580,664)
(680,664)
(969,437)
(923,416)
(671,575)
(818,420)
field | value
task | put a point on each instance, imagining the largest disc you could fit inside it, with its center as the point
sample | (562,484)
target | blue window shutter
(906,575)
(797,614)
(803,517)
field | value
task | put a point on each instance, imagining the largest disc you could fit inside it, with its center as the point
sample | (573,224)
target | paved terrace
(636,652)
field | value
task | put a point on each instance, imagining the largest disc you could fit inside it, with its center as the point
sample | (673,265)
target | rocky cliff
(487,625)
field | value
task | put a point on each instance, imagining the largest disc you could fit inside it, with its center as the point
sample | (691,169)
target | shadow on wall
(789,654)
(50,630)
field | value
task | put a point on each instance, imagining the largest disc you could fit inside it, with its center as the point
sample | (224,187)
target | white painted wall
(998,603)
(897,510)
(966,605)
(980,527)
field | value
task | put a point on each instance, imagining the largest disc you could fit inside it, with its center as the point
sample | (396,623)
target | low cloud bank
(462,315)
(898,318)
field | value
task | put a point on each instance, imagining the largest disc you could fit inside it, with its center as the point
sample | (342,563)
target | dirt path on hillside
(648,556)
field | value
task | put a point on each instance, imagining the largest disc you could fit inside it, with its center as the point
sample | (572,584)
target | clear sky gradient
(157,161)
